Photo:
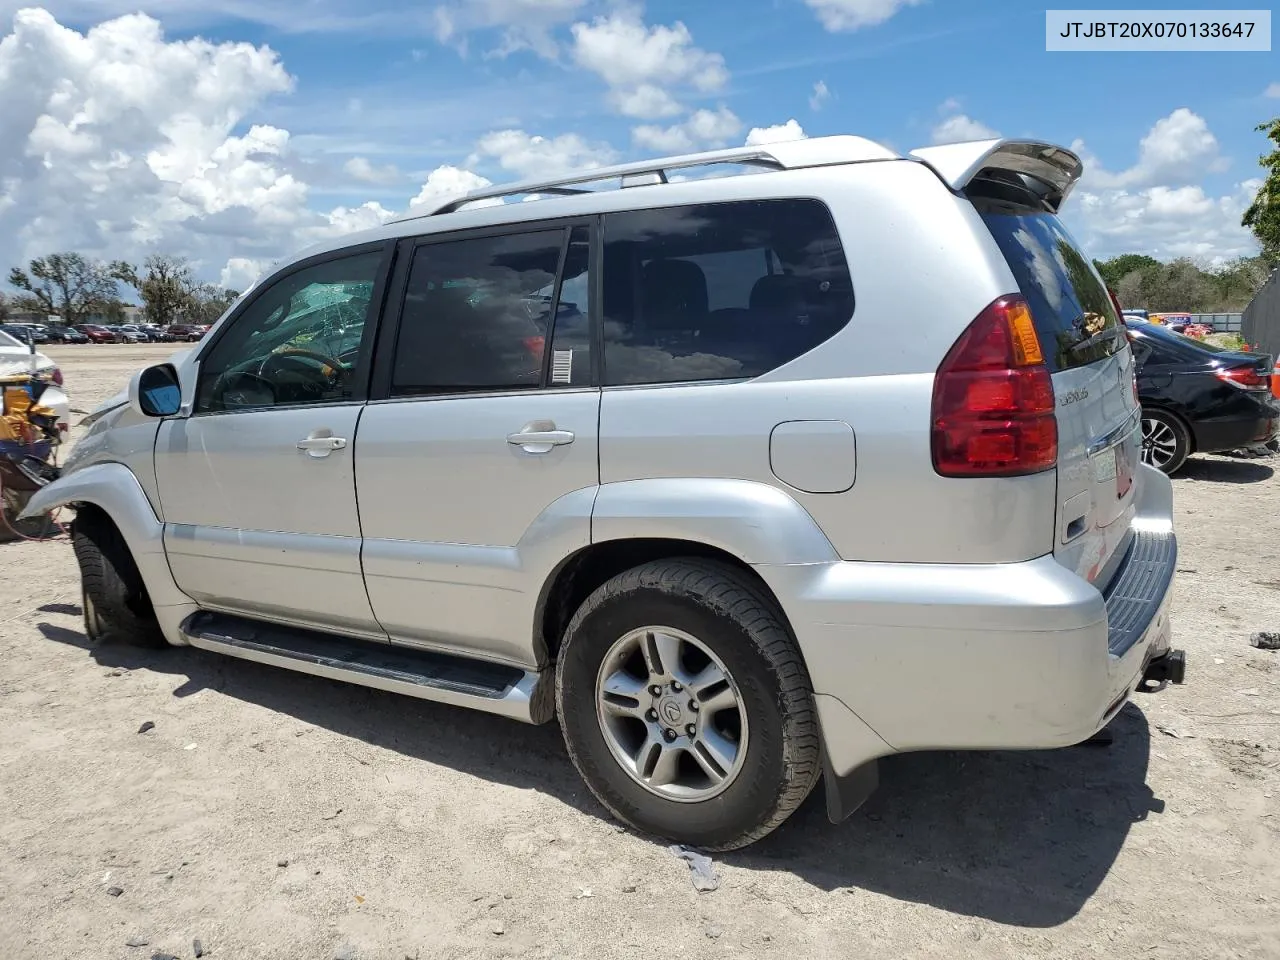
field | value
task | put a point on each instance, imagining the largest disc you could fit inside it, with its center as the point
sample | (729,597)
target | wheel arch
(113,491)
(738,522)
(1176,414)
(582,573)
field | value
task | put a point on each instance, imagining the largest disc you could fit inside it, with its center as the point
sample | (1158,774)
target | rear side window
(719,291)
(1070,305)
(478,312)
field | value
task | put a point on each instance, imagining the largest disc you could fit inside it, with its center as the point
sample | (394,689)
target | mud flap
(846,794)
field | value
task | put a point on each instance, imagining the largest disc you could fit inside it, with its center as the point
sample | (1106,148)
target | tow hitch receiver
(1169,667)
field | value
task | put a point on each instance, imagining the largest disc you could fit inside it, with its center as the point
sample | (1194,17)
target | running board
(492,687)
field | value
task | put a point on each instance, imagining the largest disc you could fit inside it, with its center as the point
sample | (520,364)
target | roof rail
(789,155)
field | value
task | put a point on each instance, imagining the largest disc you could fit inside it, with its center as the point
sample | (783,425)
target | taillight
(1247,378)
(56,375)
(993,408)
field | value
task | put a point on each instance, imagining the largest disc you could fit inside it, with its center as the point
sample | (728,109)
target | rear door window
(476,314)
(719,291)
(1070,305)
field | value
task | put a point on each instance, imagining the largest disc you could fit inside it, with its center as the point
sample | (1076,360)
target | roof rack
(789,155)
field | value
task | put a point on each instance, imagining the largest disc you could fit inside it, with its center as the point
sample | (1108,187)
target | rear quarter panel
(923,267)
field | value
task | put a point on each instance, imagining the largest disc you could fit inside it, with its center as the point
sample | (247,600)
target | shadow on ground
(1224,470)
(1017,838)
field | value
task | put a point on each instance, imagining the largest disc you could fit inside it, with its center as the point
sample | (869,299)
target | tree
(1117,268)
(69,285)
(1263,215)
(4,307)
(165,288)
(209,302)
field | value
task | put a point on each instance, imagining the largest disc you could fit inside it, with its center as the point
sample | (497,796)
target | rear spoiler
(1054,169)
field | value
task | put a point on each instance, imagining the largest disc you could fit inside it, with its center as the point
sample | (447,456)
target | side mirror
(155,391)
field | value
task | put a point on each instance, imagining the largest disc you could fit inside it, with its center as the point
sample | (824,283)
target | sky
(235,132)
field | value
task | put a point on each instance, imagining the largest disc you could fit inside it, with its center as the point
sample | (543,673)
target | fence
(1262,317)
(1221,322)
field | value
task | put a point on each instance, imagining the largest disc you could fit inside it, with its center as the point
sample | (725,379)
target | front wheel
(1165,441)
(117,608)
(686,706)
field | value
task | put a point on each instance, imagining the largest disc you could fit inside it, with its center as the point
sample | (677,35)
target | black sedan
(26,332)
(1199,398)
(59,334)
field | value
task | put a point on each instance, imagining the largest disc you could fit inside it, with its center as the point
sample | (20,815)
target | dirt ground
(279,816)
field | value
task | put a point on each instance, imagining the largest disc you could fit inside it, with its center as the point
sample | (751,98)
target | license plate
(1104,465)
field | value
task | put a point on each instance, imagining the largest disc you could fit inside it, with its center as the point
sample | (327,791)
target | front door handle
(321,446)
(539,437)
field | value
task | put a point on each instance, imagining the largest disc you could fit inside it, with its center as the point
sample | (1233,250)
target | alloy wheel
(671,714)
(1159,443)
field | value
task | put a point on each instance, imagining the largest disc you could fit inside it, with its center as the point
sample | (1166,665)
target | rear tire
(116,606)
(744,758)
(1166,443)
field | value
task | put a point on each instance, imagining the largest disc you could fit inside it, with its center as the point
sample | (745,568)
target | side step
(491,687)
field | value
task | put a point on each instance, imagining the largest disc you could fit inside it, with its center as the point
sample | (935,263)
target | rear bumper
(979,656)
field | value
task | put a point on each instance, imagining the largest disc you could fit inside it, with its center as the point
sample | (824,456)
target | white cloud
(1178,149)
(642,64)
(1163,222)
(961,127)
(1272,91)
(446,182)
(949,105)
(240,273)
(118,142)
(359,168)
(791,130)
(392,18)
(838,15)
(701,129)
(821,94)
(1158,206)
(534,156)
(646,102)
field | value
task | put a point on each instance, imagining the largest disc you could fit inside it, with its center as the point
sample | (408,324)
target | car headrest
(774,292)
(673,295)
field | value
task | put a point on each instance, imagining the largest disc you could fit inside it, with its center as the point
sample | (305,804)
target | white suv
(750,479)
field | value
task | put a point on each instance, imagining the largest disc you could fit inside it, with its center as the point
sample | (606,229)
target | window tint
(477,313)
(571,337)
(1070,306)
(719,291)
(299,341)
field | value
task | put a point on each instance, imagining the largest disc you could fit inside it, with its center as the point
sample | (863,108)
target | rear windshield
(1070,306)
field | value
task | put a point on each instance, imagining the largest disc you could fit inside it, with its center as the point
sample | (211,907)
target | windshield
(8,341)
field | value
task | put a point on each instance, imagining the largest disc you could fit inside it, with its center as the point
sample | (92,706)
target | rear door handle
(532,439)
(321,446)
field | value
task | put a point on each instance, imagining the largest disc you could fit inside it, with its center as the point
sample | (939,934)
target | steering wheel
(340,370)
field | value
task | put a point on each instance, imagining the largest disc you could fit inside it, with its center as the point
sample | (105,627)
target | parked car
(34,332)
(155,333)
(64,334)
(97,333)
(727,519)
(127,334)
(184,332)
(1199,398)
